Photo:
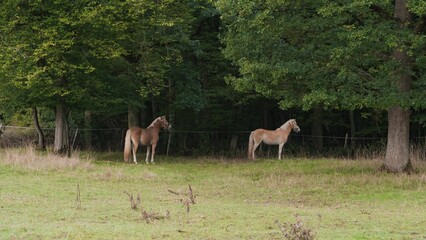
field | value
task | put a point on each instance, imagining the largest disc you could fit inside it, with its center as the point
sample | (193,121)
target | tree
(381,55)
(282,50)
(157,33)
(50,49)
(341,55)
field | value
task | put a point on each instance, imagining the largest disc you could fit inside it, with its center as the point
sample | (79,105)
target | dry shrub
(295,231)
(28,158)
(15,137)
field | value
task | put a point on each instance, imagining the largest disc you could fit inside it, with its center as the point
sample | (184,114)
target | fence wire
(190,143)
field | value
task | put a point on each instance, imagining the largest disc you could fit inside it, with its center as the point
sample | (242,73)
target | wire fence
(213,143)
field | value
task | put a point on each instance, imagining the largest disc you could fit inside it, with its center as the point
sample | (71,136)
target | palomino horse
(146,137)
(277,137)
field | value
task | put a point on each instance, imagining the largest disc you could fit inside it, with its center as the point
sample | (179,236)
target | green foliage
(333,53)
(52,50)
(158,31)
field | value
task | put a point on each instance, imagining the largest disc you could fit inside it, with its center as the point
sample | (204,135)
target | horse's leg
(256,144)
(153,152)
(135,150)
(148,148)
(280,148)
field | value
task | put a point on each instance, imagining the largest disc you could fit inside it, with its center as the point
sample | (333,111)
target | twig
(173,192)
(149,216)
(191,195)
(78,199)
(188,201)
(133,204)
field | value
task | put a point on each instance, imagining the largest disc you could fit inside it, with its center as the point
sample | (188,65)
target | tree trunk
(62,144)
(154,108)
(398,146)
(88,130)
(265,119)
(41,142)
(233,146)
(317,128)
(142,117)
(171,115)
(133,118)
(398,143)
(353,129)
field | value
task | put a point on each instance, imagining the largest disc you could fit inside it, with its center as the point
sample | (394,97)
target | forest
(77,74)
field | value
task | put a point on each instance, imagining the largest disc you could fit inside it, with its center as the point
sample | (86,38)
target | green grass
(235,199)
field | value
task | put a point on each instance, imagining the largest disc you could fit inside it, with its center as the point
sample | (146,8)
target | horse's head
(294,126)
(164,123)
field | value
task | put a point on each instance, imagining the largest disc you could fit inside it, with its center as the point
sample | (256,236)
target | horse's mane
(285,125)
(154,122)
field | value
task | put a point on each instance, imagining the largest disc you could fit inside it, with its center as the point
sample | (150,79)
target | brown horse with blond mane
(276,137)
(146,137)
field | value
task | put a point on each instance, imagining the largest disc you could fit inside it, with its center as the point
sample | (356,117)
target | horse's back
(268,136)
(259,133)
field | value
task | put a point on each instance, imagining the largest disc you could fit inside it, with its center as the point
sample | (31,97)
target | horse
(144,136)
(276,137)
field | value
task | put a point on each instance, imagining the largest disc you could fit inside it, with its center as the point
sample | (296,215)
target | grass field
(234,199)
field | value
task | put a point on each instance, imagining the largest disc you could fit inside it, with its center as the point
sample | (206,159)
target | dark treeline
(351,74)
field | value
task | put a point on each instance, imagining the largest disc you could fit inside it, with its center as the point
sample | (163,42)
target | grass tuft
(28,158)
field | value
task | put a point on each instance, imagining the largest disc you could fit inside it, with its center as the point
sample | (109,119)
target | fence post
(168,142)
(346,141)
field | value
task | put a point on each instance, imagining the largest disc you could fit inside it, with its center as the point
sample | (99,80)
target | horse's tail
(250,146)
(127,145)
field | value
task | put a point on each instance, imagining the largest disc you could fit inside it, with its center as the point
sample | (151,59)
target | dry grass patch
(147,175)
(111,174)
(417,153)
(28,158)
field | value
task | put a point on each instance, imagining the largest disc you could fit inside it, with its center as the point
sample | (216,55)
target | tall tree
(157,33)
(343,55)
(380,61)
(49,48)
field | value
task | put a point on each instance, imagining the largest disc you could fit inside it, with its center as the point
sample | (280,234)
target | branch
(364,73)
(173,192)
(133,204)
(191,195)
(382,13)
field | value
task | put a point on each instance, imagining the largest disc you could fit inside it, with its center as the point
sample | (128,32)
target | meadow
(95,196)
